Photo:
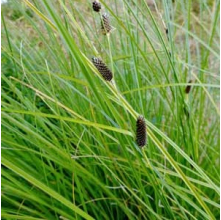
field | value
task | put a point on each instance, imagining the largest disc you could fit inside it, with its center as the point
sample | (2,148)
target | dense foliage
(69,122)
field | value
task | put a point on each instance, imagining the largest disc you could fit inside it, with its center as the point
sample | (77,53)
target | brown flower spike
(96,6)
(188,88)
(141,134)
(102,68)
(105,24)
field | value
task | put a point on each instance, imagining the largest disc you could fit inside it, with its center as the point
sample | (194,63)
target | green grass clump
(69,124)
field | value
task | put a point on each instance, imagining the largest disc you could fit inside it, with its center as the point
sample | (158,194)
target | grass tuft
(70,147)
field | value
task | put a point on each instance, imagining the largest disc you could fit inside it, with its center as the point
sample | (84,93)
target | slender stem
(146,159)
(159,14)
(110,53)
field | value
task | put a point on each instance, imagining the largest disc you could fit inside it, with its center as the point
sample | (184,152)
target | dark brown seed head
(96,6)
(188,88)
(141,134)
(167,33)
(105,24)
(102,68)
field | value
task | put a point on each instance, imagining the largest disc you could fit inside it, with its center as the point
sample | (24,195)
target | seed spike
(141,134)
(105,24)
(188,88)
(96,5)
(102,68)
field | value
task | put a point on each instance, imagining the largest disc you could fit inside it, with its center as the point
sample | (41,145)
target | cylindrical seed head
(105,24)
(102,68)
(96,6)
(188,88)
(141,134)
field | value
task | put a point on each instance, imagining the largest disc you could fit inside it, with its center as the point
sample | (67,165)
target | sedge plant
(114,120)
